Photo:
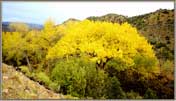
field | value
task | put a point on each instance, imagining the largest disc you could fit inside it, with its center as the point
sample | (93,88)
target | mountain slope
(158,28)
(15,85)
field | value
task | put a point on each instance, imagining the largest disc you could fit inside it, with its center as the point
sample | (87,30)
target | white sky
(38,12)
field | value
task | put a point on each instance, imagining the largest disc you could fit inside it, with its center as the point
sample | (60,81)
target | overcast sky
(38,12)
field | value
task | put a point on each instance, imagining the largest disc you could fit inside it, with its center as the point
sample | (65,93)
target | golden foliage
(101,41)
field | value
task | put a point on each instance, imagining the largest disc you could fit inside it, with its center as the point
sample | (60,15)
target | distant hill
(31,26)
(70,19)
(157,27)
(114,18)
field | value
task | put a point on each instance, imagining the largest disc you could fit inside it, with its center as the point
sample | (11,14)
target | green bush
(117,64)
(79,77)
(70,76)
(96,82)
(25,70)
(114,90)
(150,94)
(145,64)
(133,95)
(168,67)
(54,86)
(43,78)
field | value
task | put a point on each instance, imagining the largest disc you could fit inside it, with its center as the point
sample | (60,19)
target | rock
(5,77)
(5,91)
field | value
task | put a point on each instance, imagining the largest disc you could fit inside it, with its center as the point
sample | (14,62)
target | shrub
(54,86)
(70,76)
(150,94)
(133,95)
(168,67)
(13,47)
(43,78)
(25,70)
(79,77)
(96,83)
(114,91)
(145,64)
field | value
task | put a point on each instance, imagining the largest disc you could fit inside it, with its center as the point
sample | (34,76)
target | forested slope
(109,57)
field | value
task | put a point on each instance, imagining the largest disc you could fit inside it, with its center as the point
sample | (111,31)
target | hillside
(158,28)
(18,86)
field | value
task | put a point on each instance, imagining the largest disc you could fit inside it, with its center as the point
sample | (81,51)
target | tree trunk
(27,59)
